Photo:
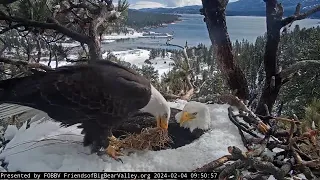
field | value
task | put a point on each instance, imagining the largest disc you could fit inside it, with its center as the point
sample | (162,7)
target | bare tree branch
(188,74)
(299,16)
(52,24)
(10,28)
(25,64)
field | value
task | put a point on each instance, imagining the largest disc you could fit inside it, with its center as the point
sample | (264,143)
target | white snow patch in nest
(10,132)
(32,150)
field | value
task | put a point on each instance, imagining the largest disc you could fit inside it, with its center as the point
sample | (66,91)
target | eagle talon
(113,139)
(113,152)
(119,159)
(263,127)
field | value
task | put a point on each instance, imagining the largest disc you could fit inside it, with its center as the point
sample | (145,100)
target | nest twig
(301,151)
(148,139)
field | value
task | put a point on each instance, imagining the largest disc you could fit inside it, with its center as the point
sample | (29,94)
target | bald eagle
(194,115)
(99,96)
(185,125)
(194,119)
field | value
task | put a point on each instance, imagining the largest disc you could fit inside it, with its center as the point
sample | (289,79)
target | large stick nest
(148,139)
(143,124)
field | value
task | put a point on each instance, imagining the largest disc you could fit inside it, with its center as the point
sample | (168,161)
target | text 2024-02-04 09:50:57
(109,175)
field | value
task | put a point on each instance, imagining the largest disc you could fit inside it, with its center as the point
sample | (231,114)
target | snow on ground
(47,147)
(45,61)
(163,65)
(107,41)
(70,45)
(136,57)
(177,104)
(10,132)
(116,36)
(134,34)
(53,63)
(139,56)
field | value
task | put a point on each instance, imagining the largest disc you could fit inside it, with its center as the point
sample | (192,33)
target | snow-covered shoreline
(132,34)
(116,36)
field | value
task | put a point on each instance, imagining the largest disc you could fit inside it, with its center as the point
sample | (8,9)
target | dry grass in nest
(148,139)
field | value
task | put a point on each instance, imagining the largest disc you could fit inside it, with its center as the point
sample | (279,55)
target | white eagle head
(194,115)
(159,108)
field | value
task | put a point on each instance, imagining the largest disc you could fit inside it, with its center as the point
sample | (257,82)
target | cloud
(180,3)
(146,4)
(137,4)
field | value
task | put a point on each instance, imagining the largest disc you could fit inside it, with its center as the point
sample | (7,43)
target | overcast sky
(138,4)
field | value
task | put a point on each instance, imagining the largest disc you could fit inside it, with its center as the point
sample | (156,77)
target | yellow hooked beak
(162,122)
(186,117)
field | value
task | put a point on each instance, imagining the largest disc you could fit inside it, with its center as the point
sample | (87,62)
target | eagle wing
(98,89)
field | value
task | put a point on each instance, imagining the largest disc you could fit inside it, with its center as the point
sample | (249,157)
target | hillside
(139,19)
(244,8)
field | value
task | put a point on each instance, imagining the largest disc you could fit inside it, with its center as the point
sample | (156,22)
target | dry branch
(251,117)
(215,164)
(299,16)
(255,158)
(25,64)
(274,79)
(189,74)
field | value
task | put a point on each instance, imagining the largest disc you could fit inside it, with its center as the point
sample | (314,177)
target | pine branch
(286,73)
(50,24)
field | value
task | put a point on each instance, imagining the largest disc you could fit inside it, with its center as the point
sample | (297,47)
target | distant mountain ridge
(243,8)
(139,19)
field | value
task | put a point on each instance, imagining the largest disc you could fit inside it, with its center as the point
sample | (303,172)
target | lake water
(193,29)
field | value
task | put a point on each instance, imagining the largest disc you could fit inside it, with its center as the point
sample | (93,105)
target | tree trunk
(94,46)
(94,36)
(215,18)
(37,38)
(273,80)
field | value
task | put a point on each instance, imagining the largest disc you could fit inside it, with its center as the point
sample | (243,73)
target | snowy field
(47,147)
(138,57)
(116,36)
(53,63)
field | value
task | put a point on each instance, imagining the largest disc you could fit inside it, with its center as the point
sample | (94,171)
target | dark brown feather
(103,93)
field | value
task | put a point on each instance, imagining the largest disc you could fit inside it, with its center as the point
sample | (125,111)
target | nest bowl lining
(147,139)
